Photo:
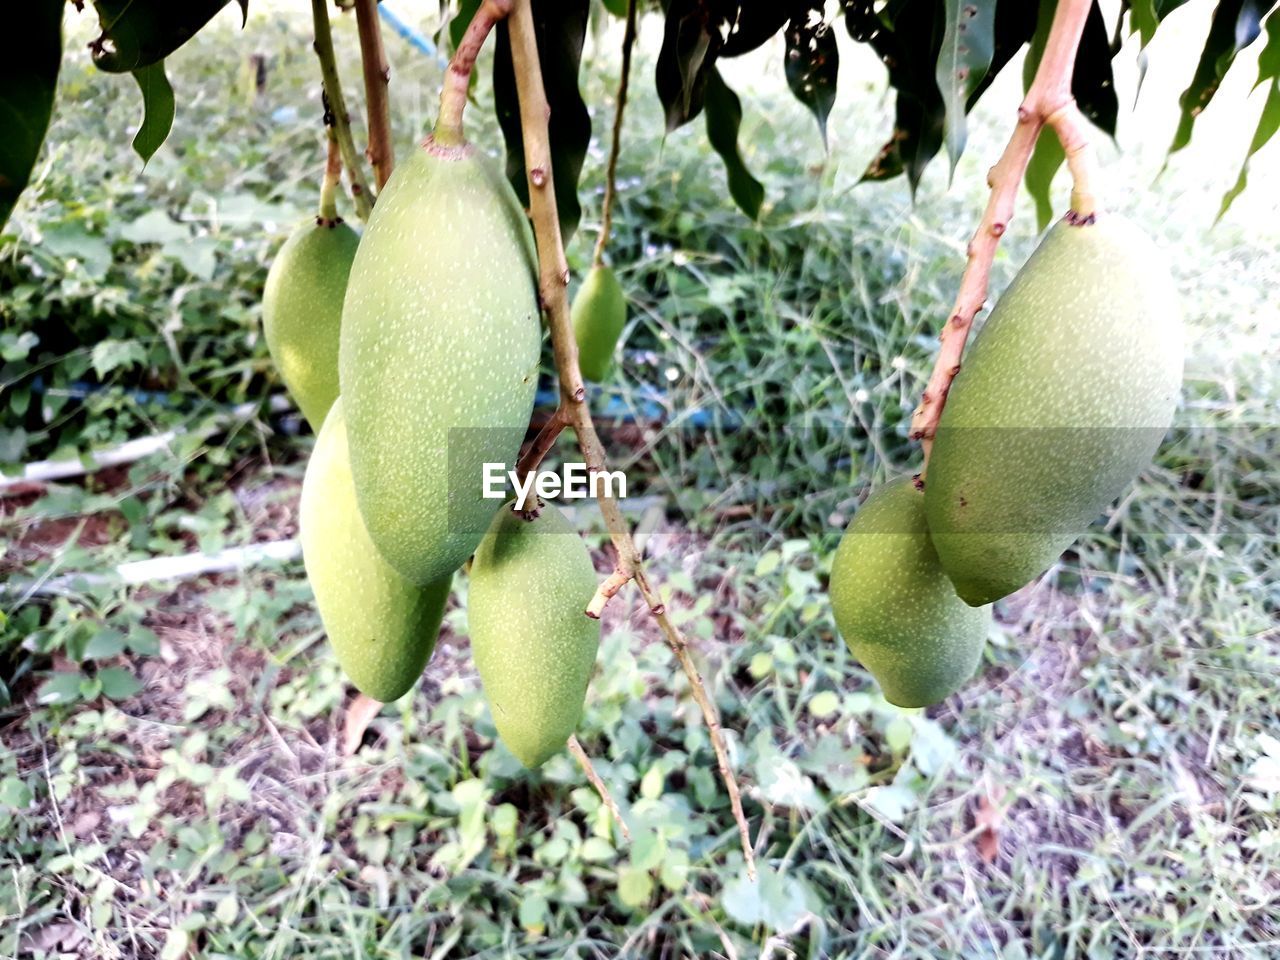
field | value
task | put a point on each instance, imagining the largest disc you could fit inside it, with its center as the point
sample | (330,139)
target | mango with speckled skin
(894,606)
(1063,397)
(599,313)
(302,312)
(383,628)
(532,642)
(441,338)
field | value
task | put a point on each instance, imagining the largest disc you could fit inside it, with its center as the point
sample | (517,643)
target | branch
(336,115)
(377,74)
(457,79)
(610,178)
(584,761)
(553,281)
(1048,102)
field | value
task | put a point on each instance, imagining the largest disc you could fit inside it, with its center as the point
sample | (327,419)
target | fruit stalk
(377,74)
(1048,102)
(610,178)
(328,213)
(457,78)
(336,115)
(584,761)
(573,410)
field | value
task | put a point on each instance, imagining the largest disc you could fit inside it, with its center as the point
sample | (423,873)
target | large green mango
(531,639)
(382,627)
(599,313)
(895,607)
(1063,398)
(441,338)
(302,312)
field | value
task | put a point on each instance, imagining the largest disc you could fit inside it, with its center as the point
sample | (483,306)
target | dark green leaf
(617,7)
(138,33)
(813,62)
(1092,82)
(561,28)
(103,644)
(1269,121)
(724,118)
(1235,25)
(691,42)
(157,110)
(1015,25)
(757,22)
(28,78)
(968,43)
(118,683)
(907,36)
(461,20)
(1045,161)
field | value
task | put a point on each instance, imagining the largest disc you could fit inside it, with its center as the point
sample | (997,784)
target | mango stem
(573,410)
(336,116)
(1048,102)
(457,78)
(615,146)
(328,215)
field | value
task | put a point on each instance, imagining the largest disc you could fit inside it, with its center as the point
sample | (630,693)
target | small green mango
(383,628)
(895,607)
(302,313)
(1064,396)
(532,642)
(599,313)
(441,339)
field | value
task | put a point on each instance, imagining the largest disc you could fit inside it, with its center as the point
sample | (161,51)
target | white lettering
(522,490)
(493,477)
(608,478)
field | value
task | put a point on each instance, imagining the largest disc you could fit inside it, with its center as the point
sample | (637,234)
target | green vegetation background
(174,787)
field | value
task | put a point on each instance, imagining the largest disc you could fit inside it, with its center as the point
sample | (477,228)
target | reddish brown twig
(1048,102)
(377,76)
(553,281)
(336,105)
(615,146)
(457,79)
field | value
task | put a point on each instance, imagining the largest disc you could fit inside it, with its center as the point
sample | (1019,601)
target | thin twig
(377,74)
(584,761)
(553,281)
(1048,101)
(611,172)
(336,109)
(457,79)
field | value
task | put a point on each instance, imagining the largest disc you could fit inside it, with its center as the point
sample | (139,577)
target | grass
(1106,787)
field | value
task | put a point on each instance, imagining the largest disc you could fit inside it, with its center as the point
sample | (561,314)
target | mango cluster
(1064,396)
(414,352)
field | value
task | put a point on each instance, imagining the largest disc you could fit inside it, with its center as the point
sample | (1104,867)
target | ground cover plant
(175,781)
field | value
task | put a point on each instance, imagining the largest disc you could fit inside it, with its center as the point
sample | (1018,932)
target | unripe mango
(532,642)
(441,339)
(599,313)
(895,607)
(383,628)
(302,313)
(1064,396)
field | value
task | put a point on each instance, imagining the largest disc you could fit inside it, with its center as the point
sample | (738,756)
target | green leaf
(561,28)
(109,355)
(118,683)
(104,644)
(724,119)
(157,110)
(1045,161)
(756,23)
(139,33)
(28,79)
(14,793)
(1268,123)
(60,688)
(635,887)
(824,704)
(812,62)
(1235,25)
(968,43)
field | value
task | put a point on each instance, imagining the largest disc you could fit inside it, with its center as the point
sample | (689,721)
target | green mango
(599,313)
(383,628)
(1064,396)
(441,338)
(532,642)
(302,313)
(895,607)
